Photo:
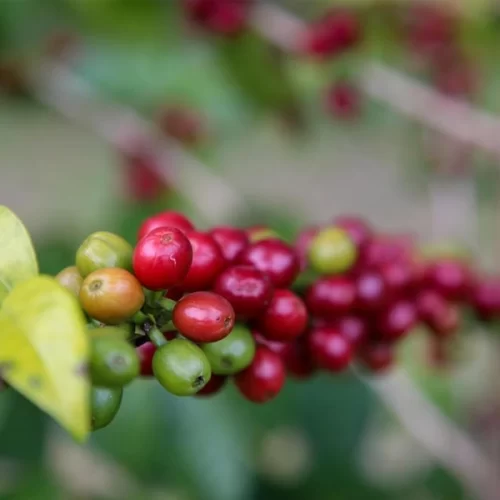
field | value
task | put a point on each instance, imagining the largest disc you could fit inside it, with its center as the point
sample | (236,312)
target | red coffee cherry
(285,318)
(182,123)
(378,357)
(225,17)
(371,292)
(385,249)
(274,257)
(203,317)
(162,258)
(273,345)
(143,181)
(303,243)
(399,276)
(331,296)
(208,262)
(343,100)
(450,278)
(358,230)
(232,241)
(397,320)
(335,32)
(430,304)
(146,352)
(353,328)
(214,386)
(264,378)
(247,289)
(486,297)
(329,349)
(297,359)
(165,219)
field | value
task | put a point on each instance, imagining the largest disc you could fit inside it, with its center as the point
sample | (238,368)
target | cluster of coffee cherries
(195,309)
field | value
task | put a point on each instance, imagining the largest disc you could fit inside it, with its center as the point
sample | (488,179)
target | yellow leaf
(44,351)
(17,256)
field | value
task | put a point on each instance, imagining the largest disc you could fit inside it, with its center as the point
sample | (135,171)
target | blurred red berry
(336,32)
(397,320)
(285,318)
(371,292)
(329,349)
(232,241)
(343,100)
(303,242)
(330,297)
(378,357)
(264,378)
(357,229)
(451,278)
(214,386)
(274,257)
(486,297)
(247,289)
(273,345)
(354,328)
(297,359)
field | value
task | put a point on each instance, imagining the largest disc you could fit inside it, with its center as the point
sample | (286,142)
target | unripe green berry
(105,405)
(113,362)
(233,353)
(332,251)
(102,250)
(70,279)
(181,367)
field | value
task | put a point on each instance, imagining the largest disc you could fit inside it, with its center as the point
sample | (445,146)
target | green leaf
(45,351)
(17,256)
(257,69)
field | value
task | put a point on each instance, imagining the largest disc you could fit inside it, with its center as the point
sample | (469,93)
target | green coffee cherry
(103,250)
(105,405)
(332,251)
(181,367)
(70,279)
(120,332)
(113,362)
(233,353)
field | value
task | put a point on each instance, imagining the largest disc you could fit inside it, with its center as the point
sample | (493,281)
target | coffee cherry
(335,32)
(203,317)
(273,345)
(246,288)
(285,318)
(145,352)
(274,257)
(264,378)
(485,297)
(385,249)
(181,367)
(120,332)
(225,17)
(356,228)
(343,100)
(297,359)
(113,362)
(397,320)
(378,357)
(165,219)
(103,250)
(162,258)
(233,353)
(329,349)
(332,251)
(449,277)
(214,385)
(353,328)
(70,279)
(208,262)
(303,244)
(111,296)
(183,124)
(143,180)
(105,404)
(232,241)
(430,305)
(399,276)
(330,297)
(371,292)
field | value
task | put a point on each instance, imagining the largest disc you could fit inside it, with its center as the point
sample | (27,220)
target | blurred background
(111,110)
